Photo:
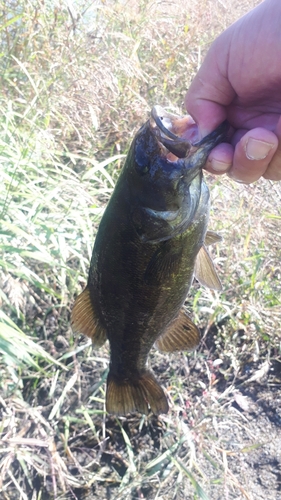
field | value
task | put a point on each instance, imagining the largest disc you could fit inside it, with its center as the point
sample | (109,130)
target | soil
(229,423)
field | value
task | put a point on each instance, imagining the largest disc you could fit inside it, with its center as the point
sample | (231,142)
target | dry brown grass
(74,92)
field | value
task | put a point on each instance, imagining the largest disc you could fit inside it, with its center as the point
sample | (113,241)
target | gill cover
(167,191)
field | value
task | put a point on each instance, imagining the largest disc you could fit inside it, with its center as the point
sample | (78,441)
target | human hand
(240,80)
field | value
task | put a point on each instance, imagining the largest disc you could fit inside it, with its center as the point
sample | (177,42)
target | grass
(76,84)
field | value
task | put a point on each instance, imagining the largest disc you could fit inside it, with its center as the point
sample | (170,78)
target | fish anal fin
(128,395)
(205,271)
(212,237)
(84,320)
(181,335)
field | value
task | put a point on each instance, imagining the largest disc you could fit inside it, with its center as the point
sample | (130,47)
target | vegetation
(77,81)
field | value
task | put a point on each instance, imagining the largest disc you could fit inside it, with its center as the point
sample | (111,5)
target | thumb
(210,91)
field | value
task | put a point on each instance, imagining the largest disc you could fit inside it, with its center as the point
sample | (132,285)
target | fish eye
(143,169)
(143,152)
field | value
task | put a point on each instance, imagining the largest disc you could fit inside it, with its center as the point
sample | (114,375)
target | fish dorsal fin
(181,335)
(84,320)
(211,238)
(204,270)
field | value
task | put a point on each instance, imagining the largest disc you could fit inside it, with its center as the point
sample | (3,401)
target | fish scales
(149,244)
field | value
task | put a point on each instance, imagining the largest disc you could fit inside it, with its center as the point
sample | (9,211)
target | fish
(151,241)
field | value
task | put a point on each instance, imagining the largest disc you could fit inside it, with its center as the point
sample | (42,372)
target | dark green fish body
(143,263)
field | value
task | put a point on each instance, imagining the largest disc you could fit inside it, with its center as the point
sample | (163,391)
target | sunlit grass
(74,90)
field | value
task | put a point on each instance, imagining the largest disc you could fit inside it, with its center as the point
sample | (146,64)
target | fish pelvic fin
(212,237)
(181,335)
(124,396)
(84,319)
(205,271)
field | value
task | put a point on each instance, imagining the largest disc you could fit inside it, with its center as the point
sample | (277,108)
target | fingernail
(219,166)
(234,178)
(257,150)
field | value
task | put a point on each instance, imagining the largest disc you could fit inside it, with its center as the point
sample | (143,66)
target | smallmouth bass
(151,241)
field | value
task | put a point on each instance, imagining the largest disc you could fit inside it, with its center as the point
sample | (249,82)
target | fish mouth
(178,135)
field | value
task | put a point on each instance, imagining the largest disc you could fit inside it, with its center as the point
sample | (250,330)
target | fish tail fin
(124,396)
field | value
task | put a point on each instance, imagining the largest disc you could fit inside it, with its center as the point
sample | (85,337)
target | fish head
(165,173)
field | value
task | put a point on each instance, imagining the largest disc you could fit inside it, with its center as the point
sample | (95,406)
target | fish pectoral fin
(182,334)
(212,237)
(128,395)
(204,270)
(163,263)
(84,319)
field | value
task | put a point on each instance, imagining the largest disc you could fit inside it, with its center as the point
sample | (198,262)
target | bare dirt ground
(223,427)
